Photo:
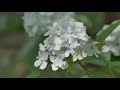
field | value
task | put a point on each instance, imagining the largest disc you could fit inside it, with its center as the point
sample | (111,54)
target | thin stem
(114,76)
(110,71)
(34,74)
(82,66)
(87,71)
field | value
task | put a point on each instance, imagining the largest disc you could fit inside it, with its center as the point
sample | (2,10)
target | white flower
(63,66)
(112,42)
(79,54)
(35,22)
(41,58)
(42,64)
(91,49)
(54,68)
(65,39)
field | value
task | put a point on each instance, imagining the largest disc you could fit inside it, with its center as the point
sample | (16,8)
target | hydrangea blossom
(65,39)
(112,42)
(37,21)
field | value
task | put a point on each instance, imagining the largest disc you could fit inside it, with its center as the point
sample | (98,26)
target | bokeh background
(18,51)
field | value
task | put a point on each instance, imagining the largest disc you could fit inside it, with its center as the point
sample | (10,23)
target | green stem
(34,74)
(87,71)
(82,66)
(114,76)
(108,69)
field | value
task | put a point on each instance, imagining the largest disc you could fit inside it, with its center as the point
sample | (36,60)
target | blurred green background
(18,51)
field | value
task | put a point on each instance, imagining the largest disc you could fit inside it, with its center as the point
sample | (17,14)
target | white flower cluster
(37,21)
(65,39)
(112,42)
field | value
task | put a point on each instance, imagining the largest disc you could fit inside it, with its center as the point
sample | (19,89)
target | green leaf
(3,22)
(85,76)
(15,24)
(103,71)
(34,74)
(100,74)
(114,64)
(93,60)
(28,53)
(105,33)
(5,65)
(115,67)
(70,67)
(115,58)
(105,56)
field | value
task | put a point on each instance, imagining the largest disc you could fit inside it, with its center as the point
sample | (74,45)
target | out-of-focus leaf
(5,60)
(15,23)
(3,22)
(112,70)
(104,71)
(29,52)
(70,67)
(116,71)
(100,74)
(5,69)
(85,76)
(115,67)
(106,56)
(76,71)
(93,60)
(34,74)
(115,58)
(114,64)
(105,33)
(12,23)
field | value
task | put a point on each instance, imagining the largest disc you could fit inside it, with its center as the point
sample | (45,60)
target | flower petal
(83,38)
(42,47)
(58,62)
(74,58)
(45,55)
(37,63)
(67,53)
(57,40)
(52,58)
(43,65)
(47,33)
(84,54)
(80,24)
(65,65)
(90,52)
(54,68)
(79,57)
(57,47)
